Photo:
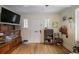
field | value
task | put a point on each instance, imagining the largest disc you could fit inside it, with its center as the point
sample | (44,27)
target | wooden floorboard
(40,49)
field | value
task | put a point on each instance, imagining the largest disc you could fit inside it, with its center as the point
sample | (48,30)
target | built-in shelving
(9,28)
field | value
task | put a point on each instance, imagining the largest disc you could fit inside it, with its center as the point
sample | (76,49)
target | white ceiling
(37,8)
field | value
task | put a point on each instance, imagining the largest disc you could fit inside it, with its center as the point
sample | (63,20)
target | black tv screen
(9,16)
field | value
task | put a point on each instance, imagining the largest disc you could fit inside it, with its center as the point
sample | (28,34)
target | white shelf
(9,23)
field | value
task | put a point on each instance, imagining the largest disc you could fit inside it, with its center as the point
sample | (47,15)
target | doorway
(36,30)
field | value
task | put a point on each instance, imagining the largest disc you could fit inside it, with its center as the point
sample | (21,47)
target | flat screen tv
(8,16)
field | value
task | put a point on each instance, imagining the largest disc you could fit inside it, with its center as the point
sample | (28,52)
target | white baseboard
(30,42)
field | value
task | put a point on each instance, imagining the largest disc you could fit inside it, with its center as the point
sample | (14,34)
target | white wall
(77,24)
(70,41)
(26,33)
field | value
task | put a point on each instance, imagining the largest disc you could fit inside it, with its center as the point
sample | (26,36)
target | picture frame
(55,24)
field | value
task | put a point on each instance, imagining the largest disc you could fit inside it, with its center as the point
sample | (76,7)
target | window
(46,23)
(25,23)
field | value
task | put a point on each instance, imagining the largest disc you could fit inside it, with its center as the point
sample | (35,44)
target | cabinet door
(14,43)
(4,28)
(4,49)
(11,45)
(18,40)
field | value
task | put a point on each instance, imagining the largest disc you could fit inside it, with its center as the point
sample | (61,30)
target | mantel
(9,23)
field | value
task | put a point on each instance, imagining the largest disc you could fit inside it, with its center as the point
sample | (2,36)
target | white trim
(9,23)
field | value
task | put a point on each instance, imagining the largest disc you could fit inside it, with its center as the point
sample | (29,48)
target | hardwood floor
(40,49)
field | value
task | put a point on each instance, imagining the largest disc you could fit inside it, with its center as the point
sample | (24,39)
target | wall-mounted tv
(8,16)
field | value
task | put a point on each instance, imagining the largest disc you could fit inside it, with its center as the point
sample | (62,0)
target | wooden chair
(57,39)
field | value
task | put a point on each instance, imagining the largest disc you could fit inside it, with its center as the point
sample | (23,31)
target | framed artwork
(64,18)
(55,24)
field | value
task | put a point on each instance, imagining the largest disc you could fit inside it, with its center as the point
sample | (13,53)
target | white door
(36,28)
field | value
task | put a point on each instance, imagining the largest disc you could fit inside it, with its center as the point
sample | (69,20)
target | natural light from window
(25,23)
(46,23)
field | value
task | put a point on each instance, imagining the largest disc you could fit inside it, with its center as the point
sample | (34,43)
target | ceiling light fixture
(46,5)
